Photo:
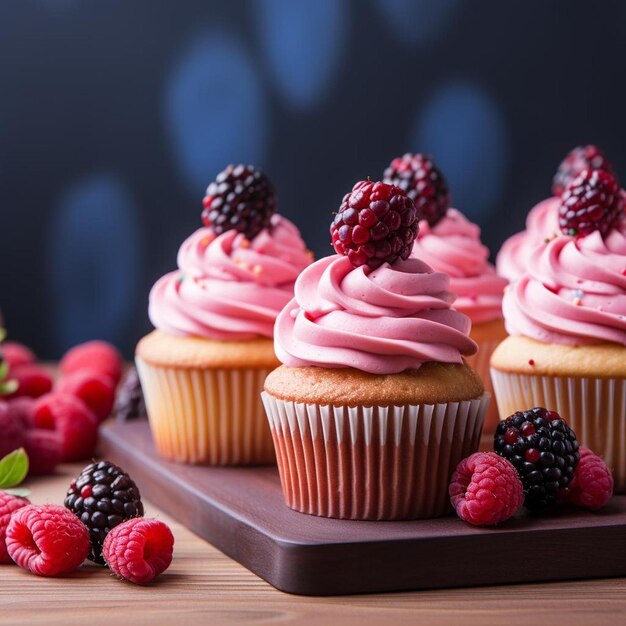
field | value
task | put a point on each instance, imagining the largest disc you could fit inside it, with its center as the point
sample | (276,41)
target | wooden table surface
(202,586)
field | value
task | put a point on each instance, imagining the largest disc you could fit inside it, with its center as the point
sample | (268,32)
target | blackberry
(579,159)
(376,223)
(421,180)
(129,401)
(241,198)
(592,201)
(543,449)
(102,497)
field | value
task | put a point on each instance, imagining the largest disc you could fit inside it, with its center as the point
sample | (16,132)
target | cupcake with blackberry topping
(566,318)
(203,368)
(374,405)
(448,242)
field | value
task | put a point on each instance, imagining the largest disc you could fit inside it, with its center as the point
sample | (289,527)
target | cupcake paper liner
(594,407)
(480,364)
(207,416)
(372,463)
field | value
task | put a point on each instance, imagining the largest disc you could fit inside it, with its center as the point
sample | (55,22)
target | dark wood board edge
(338,569)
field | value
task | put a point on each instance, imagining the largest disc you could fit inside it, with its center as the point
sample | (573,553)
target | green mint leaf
(19,493)
(3,334)
(8,386)
(13,468)
(4,370)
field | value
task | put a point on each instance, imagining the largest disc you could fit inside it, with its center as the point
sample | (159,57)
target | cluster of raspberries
(537,463)
(53,540)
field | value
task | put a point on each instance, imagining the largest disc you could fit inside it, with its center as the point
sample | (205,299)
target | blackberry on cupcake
(421,180)
(240,198)
(580,158)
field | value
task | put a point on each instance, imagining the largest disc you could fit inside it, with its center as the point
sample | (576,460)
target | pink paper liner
(207,416)
(372,463)
(594,407)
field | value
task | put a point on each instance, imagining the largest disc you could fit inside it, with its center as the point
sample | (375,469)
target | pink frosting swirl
(541,223)
(228,287)
(453,247)
(574,292)
(384,321)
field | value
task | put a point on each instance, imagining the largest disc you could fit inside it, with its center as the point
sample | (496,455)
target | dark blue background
(115,115)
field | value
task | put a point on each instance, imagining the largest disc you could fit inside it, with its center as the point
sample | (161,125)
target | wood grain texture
(204,587)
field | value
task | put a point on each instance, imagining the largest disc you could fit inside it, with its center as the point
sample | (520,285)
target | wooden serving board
(241,512)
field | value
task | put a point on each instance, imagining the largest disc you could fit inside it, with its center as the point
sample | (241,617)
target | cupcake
(448,242)
(567,322)
(542,222)
(373,406)
(203,368)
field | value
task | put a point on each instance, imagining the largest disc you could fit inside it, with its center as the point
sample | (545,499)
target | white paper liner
(594,407)
(208,416)
(479,362)
(372,463)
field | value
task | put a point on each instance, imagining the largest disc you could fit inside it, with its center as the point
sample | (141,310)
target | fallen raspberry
(47,540)
(592,485)
(139,549)
(72,419)
(485,489)
(22,410)
(44,451)
(96,390)
(12,430)
(8,504)
(16,354)
(32,380)
(95,356)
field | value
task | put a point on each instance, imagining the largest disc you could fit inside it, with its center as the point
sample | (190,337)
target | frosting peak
(228,287)
(384,321)
(453,246)
(574,292)
(542,223)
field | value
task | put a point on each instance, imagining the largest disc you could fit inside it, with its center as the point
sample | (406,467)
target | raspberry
(485,489)
(103,496)
(579,159)
(12,430)
(592,485)
(32,381)
(130,403)
(592,201)
(423,182)
(47,540)
(96,390)
(375,223)
(543,449)
(16,354)
(22,410)
(241,198)
(95,356)
(8,504)
(139,549)
(44,451)
(72,419)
